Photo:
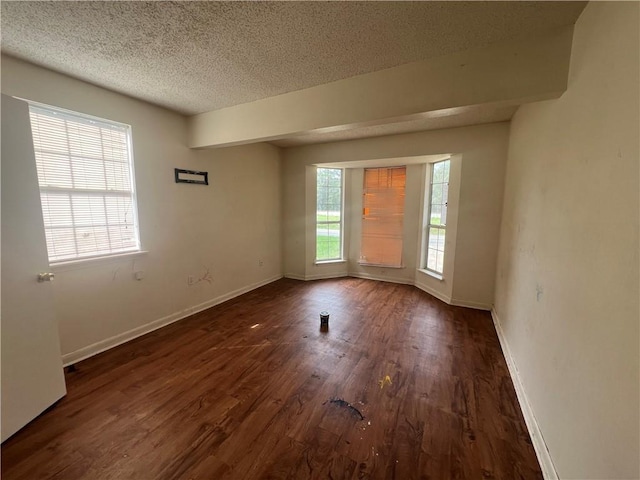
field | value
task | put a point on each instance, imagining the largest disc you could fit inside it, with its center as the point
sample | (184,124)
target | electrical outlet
(190,280)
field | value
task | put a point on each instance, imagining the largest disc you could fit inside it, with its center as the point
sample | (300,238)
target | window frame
(440,226)
(57,112)
(340,258)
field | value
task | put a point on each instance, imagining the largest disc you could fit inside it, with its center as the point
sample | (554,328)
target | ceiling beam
(506,73)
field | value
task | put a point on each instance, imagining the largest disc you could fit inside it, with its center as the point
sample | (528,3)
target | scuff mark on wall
(205,277)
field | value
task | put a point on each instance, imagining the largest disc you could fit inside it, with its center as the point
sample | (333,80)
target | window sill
(435,275)
(91,262)
(329,262)
(365,264)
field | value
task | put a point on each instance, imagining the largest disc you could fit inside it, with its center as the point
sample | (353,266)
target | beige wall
(480,159)
(226,227)
(567,285)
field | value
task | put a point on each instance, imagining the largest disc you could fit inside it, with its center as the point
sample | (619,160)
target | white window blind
(383,216)
(85,173)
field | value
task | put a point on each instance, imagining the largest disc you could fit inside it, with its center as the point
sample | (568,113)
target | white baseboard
(433,292)
(476,305)
(103,345)
(318,276)
(294,276)
(379,278)
(324,276)
(542,452)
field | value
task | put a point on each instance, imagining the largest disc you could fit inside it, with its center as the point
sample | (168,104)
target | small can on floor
(324,319)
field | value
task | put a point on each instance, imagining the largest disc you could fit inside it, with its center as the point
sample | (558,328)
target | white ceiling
(193,57)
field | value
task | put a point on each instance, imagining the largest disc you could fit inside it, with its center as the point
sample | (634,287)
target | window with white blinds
(383,216)
(85,173)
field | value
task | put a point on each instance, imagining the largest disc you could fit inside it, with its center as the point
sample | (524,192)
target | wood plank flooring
(242,390)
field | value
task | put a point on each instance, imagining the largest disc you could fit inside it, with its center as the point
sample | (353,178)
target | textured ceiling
(194,57)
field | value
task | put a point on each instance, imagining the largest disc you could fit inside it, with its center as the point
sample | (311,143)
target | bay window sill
(329,262)
(435,275)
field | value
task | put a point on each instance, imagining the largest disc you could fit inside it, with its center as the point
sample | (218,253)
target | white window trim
(435,275)
(341,258)
(425,269)
(93,261)
(329,262)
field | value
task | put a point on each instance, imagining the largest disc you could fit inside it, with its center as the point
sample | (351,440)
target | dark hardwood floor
(243,390)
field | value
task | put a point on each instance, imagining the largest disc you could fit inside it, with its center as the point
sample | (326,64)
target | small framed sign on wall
(191,176)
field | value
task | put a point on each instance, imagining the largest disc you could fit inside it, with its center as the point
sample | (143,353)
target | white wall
(480,160)
(226,227)
(567,286)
